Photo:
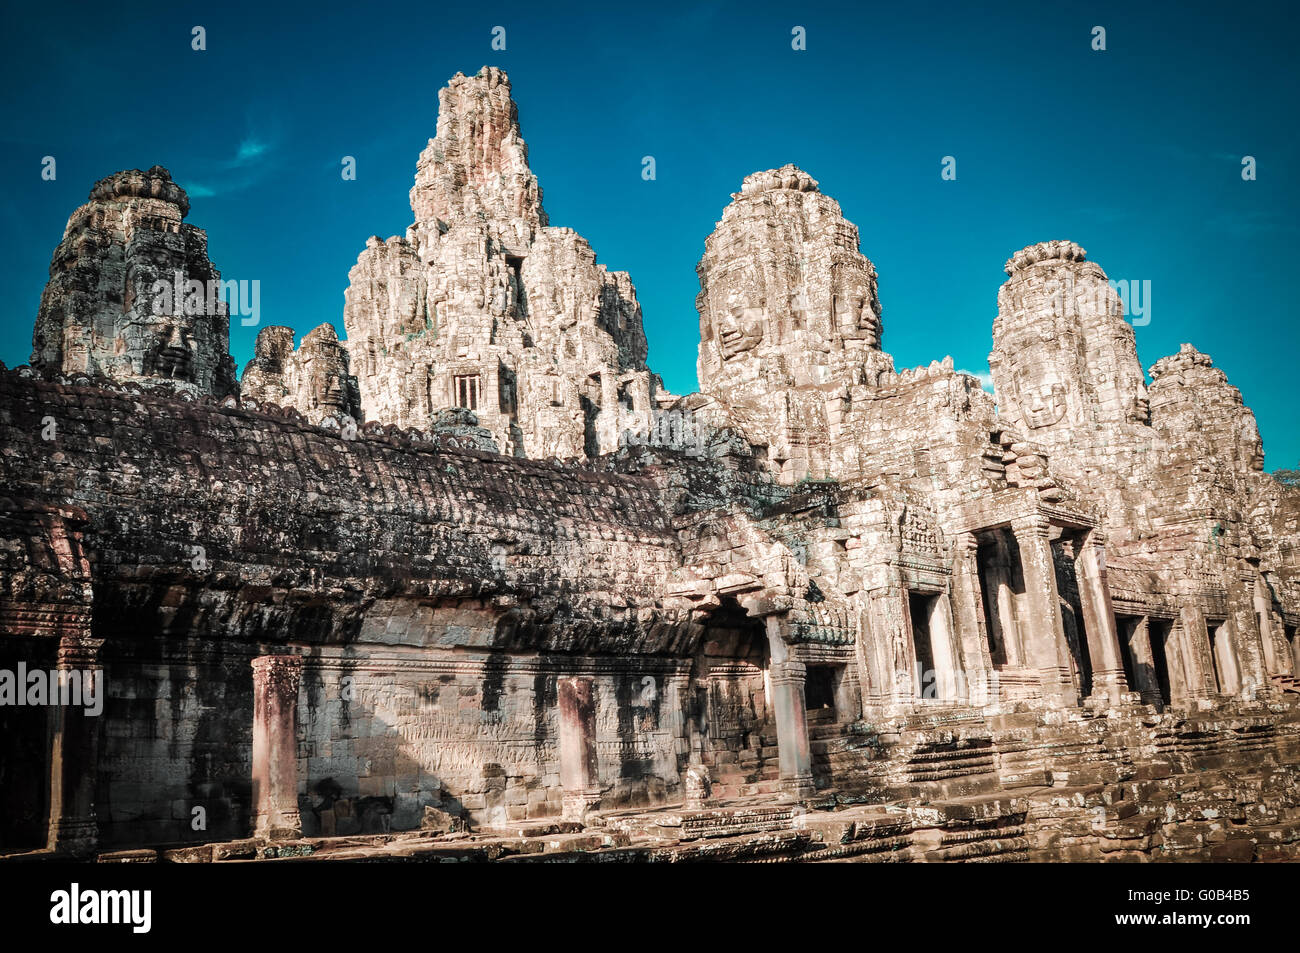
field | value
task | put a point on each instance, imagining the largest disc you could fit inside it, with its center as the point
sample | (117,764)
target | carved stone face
(1043,404)
(325,378)
(856,316)
(1141,410)
(172,355)
(1252,441)
(740,328)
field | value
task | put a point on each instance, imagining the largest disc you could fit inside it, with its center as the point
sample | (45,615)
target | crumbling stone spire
(484,307)
(788,312)
(314,380)
(132,295)
(475,170)
(1193,403)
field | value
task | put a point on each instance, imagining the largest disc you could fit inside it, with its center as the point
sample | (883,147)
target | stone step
(710,822)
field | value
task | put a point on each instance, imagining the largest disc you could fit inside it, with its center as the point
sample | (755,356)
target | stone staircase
(1032,754)
(945,755)
(1286,684)
(1207,743)
(846,763)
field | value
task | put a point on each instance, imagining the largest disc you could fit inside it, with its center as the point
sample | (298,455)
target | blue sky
(1134,152)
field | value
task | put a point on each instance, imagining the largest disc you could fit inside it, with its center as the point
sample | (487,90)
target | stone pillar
(968,617)
(1263,604)
(74,752)
(275,746)
(795,757)
(870,681)
(1252,649)
(1108,679)
(789,704)
(1197,663)
(1043,632)
(891,635)
(944,649)
(998,575)
(577,701)
(1144,664)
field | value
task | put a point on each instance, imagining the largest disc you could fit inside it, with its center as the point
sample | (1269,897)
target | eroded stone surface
(822,610)
(132,294)
(484,306)
(314,379)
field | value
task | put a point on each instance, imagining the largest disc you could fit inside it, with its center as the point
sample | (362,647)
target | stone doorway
(935,670)
(1223,658)
(820,690)
(734,728)
(1161,634)
(1001,586)
(24,750)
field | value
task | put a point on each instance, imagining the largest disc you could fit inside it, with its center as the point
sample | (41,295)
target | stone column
(1197,663)
(1263,603)
(968,617)
(1144,664)
(1043,632)
(275,746)
(578,765)
(944,649)
(998,574)
(1251,656)
(789,704)
(74,752)
(1108,679)
(870,680)
(892,637)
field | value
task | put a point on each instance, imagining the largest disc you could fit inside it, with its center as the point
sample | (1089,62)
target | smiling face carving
(740,329)
(172,356)
(856,307)
(1043,404)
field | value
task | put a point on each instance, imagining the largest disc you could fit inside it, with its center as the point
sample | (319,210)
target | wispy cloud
(254,158)
(250,149)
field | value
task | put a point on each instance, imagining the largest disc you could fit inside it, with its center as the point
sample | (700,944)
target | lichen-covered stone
(132,294)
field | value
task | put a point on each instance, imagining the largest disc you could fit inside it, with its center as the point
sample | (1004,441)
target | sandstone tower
(132,294)
(484,306)
(314,379)
(1064,358)
(789,314)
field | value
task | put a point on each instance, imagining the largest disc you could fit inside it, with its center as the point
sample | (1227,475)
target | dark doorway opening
(920,606)
(24,751)
(1127,626)
(1160,631)
(1214,627)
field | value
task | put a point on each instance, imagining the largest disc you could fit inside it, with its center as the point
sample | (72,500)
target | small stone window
(465,389)
(819,688)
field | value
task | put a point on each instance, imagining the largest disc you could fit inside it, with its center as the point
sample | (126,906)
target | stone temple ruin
(471,584)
